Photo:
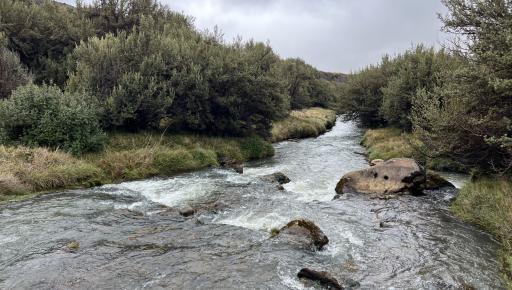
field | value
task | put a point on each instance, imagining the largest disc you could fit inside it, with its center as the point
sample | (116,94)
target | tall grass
(387,143)
(26,170)
(303,123)
(488,204)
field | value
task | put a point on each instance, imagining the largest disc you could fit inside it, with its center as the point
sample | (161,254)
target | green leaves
(45,116)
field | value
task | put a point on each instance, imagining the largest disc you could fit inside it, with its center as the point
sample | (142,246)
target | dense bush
(362,95)
(12,72)
(45,116)
(305,85)
(191,81)
(469,116)
(383,94)
(43,33)
(130,75)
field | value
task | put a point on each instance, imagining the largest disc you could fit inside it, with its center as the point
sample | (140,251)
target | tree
(481,91)
(12,72)
(43,35)
(130,75)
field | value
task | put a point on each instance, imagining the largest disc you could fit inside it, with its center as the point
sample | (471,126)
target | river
(131,235)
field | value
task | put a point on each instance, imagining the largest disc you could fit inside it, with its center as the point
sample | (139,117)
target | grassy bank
(303,124)
(387,143)
(25,171)
(487,203)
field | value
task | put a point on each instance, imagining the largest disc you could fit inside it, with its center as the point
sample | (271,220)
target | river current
(131,235)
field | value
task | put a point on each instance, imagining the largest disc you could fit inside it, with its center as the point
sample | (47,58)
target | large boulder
(278,177)
(304,232)
(397,175)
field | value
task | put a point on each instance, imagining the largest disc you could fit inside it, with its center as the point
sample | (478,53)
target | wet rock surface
(304,232)
(398,175)
(278,177)
(323,278)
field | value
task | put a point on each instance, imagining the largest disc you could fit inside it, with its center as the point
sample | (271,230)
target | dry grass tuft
(387,143)
(303,123)
(26,170)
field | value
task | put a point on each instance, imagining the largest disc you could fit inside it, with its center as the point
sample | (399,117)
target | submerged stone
(187,211)
(323,278)
(278,177)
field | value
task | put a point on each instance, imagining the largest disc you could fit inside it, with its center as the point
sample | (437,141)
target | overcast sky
(333,35)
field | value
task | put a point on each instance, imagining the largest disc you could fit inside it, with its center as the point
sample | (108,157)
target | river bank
(27,171)
(485,202)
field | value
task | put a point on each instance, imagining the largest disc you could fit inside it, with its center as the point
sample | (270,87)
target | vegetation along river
(131,235)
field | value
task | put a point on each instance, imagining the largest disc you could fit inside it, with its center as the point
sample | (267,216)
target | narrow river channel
(131,235)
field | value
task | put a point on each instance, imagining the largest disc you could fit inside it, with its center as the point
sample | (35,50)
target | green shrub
(45,116)
(178,160)
(12,73)
(256,148)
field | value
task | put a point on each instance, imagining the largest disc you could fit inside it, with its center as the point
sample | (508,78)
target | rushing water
(132,237)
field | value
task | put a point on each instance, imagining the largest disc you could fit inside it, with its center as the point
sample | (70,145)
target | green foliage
(255,148)
(304,84)
(468,116)
(362,95)
(194,81)
(113,16)
(12,73)
(45,116)
(383,94)
(43,34)
(129,75)
(420,69)
(173,161)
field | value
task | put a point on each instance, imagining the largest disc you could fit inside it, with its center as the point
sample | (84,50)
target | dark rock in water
(187,211)
(435,181)
(280,187)
(304,232)
(397,175)
(230,163)
(238,168)
(278,177)
(323,278)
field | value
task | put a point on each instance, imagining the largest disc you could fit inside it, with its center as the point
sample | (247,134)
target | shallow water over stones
(132,236)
